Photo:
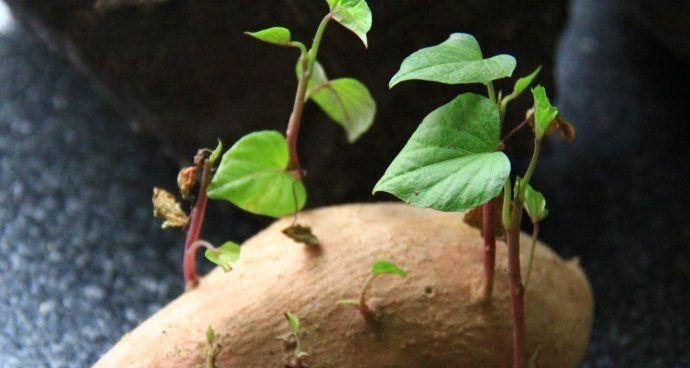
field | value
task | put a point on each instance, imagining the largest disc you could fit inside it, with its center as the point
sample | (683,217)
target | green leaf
(216,153)
(345,100)
(348,102)
(535,204)
(354,15)
(522,84)
(383,267)
(293,321)
(210,335)
(275,35)
(225,255)
(451,163)
(544,112)
(252,175)
(457,60)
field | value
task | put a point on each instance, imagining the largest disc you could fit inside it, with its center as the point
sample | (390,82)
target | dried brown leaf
(167,208)
(473,217)
(186,179)
(301,234)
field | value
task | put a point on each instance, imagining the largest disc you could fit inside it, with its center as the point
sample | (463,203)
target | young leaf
(225,255)
(216,153)
(210,335)
(520,86)
(252,175)
(347,101)
(354,15)
(293,321)
(456,60)
(452,162)
(544,112)
(275,35)
(383,267)
(535,204)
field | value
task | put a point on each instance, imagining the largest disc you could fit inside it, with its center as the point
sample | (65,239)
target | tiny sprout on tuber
(377,269)
(454,161)
(211,348)
(299,354)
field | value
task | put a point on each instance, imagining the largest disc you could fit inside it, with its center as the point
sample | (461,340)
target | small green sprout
(454,161)
(299,354)
(377,269)
(224,256)
(211,348)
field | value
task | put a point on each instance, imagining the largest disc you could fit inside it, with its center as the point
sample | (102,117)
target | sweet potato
(431,318)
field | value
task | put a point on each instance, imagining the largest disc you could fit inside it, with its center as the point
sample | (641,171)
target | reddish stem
(488,232)
(295,121)
(195,223)
(517,308)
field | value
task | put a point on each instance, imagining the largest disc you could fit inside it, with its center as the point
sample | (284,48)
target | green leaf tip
(384,267)
(216,153)
(544,112)
(451,162)
(210,335)
(346,101)
(535,204)
(224,256)
(293,322)
(458,60)
(354,15)
(520,86)
(274,35)
(253,176)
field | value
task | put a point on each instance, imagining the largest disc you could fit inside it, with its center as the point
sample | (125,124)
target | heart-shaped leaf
(457,60)
(345,100)
(535,204)
(275,35)
(383,267)
(252,175)
(224,256)
(451,162)
(544,112)
(354,15)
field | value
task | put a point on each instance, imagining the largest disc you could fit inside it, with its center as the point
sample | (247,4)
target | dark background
(82,261)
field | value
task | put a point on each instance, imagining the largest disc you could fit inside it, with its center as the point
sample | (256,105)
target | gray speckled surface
(82,260)
(76,235)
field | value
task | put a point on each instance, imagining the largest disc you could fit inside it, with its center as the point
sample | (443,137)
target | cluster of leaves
(254,173)
(453,161)
(257,173)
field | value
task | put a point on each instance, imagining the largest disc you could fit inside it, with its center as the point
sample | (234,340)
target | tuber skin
(433,318)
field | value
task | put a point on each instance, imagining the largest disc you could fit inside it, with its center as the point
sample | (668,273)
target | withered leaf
(301,234)
(186,179)
(566,129)
(473,217)
(167,208)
